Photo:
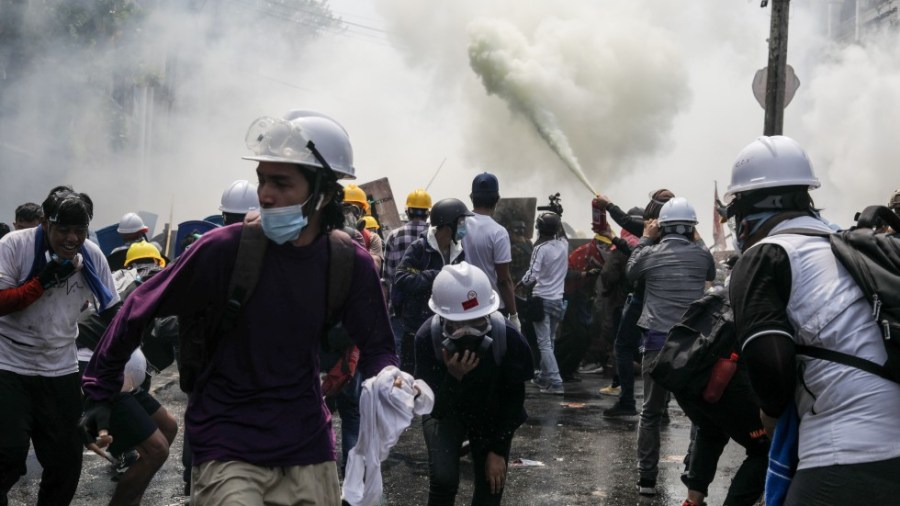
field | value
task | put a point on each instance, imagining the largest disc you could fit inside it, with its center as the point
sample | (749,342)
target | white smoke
(851,123)
(648,94)
(550,74)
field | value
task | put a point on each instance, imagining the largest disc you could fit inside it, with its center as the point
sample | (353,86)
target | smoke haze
(646,93)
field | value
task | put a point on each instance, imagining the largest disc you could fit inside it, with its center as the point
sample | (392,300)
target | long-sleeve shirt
(397,243)
(633,224)
(414,276)
(547,272)
(490,399)
(262,402)
(674,272)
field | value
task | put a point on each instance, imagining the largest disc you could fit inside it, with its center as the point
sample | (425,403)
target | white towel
(387,405)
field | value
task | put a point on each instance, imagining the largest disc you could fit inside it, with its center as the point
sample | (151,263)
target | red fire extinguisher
(722,372)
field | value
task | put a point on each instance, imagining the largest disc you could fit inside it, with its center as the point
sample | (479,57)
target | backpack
(873,260)
(199,334)
(497,337)
(705,334)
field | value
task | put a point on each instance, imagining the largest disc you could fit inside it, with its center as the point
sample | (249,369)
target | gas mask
(351,214)
(469,335)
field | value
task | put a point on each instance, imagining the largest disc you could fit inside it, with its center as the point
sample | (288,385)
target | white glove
(514,321)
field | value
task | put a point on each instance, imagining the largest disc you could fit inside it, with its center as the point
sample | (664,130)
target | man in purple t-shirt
(258,425)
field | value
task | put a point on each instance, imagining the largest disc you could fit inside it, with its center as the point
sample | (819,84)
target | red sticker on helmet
(471,302)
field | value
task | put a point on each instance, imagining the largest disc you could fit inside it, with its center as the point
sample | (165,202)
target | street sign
(792,82)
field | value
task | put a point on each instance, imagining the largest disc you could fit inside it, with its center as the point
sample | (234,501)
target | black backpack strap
(437,337)
(498,334)
(342,254)
(846,359)
(245,275)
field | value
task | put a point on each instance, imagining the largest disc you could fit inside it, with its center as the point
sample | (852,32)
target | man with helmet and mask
(546,278)
(421,262)
(478,387)
(418,207)
(787,290)
(674,266)
(257,422)
(356,208)
(237,200)
(47,274)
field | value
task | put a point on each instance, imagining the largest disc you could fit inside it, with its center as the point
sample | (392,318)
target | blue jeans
(545,331)
(628,339)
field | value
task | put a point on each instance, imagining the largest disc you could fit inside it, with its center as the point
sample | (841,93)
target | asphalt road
(585,459)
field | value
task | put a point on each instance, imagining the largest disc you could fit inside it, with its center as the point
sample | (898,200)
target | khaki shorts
(241,484)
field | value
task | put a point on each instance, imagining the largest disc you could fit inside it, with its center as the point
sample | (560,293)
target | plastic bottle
(722,372)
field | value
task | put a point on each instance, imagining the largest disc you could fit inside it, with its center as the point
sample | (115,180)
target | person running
(47,275)
(257,421)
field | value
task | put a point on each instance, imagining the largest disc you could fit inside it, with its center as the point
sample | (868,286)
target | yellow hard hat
(371,222)
(418,199)
(355,195)
(143,249)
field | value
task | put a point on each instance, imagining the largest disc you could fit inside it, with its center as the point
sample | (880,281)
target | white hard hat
(770,162)
(131,223)
(286,141)
(462,292)
(677,211)
(239,198)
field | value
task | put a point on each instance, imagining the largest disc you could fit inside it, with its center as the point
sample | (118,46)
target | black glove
(56,272)
(96,417)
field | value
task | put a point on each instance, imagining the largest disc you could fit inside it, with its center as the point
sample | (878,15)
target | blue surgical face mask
(283,224)
(461,231)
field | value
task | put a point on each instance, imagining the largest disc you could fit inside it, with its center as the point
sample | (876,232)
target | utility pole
(775,81)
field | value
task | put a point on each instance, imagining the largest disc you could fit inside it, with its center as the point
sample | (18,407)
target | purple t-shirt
(262,403)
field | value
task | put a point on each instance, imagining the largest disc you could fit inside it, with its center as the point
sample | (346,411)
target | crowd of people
(279,317)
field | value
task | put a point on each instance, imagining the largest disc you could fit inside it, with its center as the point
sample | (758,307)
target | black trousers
(867,483)
(735,416)
(572,343)
(44,411)
(444,438)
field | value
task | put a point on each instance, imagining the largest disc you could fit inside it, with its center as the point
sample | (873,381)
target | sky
(621,97)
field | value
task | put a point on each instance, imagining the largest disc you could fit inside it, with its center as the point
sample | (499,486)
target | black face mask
(475,344)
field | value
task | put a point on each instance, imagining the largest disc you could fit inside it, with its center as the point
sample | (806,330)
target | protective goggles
(476,327)
(276,137)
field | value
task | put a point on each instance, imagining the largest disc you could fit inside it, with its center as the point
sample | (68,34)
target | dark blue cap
(485,183)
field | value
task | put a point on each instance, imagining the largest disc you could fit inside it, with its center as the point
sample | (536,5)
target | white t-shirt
(40,339)
(549,265)
(486,244)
